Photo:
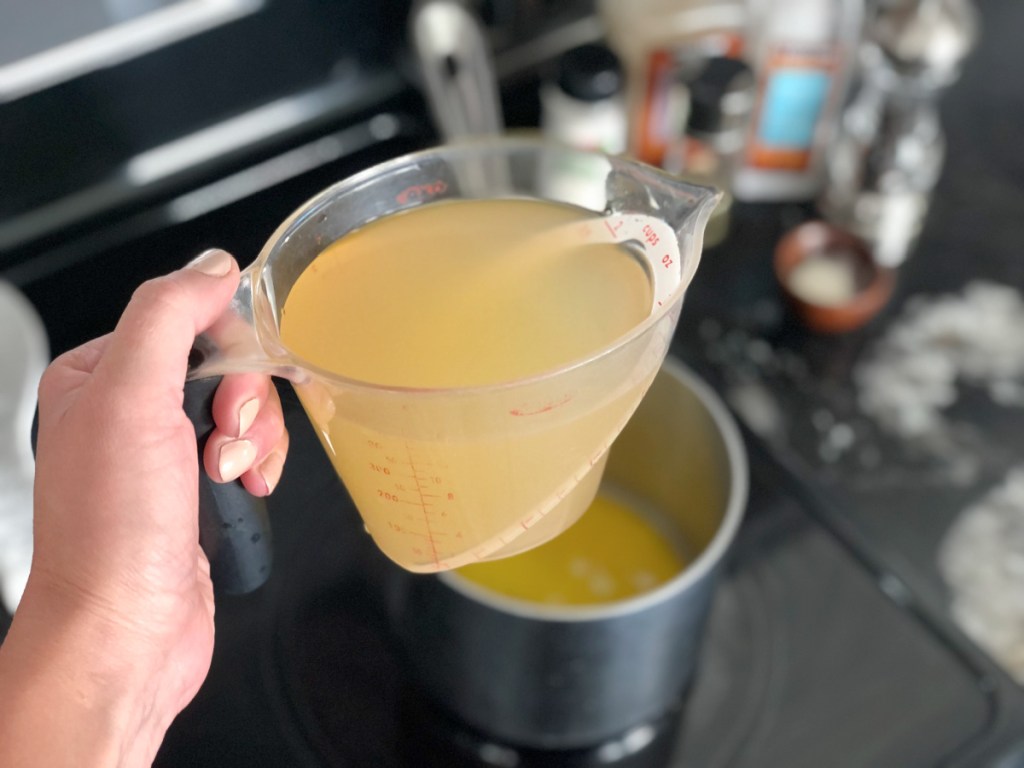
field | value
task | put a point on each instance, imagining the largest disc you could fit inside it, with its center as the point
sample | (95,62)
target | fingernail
(235,458)
(270,470)
(214,262)
(247,415)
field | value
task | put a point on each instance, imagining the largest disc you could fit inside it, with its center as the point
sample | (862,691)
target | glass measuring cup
(447,476)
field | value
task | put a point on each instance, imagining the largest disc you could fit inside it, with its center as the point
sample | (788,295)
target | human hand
(116,625)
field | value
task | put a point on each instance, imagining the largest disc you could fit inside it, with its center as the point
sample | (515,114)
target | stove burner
(805,663)
(432,740)
(345,687)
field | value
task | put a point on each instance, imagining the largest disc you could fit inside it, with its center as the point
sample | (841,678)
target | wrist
(66,698)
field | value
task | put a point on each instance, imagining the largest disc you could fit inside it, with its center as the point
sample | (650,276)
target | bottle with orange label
(663,44)
(803,53)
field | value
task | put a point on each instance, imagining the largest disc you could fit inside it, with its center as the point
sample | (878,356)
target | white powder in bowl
(824,279)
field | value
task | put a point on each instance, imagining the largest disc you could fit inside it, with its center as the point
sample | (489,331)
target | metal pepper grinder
(890,146)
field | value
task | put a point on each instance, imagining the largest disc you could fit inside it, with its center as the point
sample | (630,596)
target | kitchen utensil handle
(234,527)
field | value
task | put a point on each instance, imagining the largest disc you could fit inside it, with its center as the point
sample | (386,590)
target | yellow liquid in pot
(458,294)
(614,552)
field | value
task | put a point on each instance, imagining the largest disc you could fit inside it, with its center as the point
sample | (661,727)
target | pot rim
(701,568)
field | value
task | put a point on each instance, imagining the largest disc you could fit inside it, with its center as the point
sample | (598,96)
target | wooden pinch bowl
(865,289)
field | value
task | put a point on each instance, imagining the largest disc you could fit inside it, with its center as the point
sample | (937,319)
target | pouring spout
(690,227)
(685,207)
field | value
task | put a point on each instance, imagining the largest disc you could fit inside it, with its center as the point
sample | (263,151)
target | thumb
(149,348)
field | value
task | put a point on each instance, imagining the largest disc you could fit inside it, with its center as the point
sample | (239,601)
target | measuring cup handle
(234,527)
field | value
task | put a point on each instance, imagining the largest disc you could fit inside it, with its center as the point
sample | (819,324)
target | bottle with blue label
(803,52)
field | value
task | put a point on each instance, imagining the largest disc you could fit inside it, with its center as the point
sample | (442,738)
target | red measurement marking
(426,515)
(409,532)
(543,409)
(667,260)
(613,229)
(421,192)
(405,531)
(394,498)
(650,235)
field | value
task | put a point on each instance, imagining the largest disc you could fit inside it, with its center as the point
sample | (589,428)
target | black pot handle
(234,527)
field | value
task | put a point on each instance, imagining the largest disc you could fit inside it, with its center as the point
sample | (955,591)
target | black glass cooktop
(814,656)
